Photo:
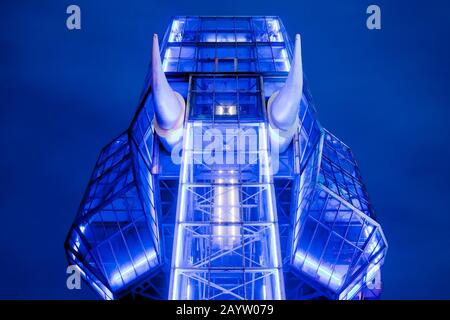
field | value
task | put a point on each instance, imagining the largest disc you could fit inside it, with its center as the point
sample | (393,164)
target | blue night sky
(65,94)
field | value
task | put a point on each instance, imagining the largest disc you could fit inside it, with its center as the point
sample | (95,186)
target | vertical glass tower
(225,185)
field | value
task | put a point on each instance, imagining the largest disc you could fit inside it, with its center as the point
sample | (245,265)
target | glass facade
(337,244)
(224,98)
(149,227)
(115,238)
(226,232)
(226,45)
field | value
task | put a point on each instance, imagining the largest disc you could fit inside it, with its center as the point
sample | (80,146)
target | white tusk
(169,105)
(283,105)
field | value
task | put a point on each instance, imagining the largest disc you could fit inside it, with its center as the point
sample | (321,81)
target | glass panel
(226,97)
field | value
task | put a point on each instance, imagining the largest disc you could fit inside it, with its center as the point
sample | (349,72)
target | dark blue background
(65,94)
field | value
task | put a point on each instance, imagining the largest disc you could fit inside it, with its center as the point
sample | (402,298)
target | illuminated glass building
(225,185)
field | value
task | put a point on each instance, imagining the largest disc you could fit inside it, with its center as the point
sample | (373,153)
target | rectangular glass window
(226,37)
(226,52)
(207,53)
(246,66)
(232,29)
(223,98)
(188,52)
(245,52)
(192,24)
(225,23)
(209,24)
(235,44)
(206,66)
(186,65)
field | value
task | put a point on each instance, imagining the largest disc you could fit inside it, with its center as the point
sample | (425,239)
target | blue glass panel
(113,220)
(335,242)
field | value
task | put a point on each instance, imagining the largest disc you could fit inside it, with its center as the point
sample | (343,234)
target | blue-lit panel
(226,242)
(115,239)
(226,29)
(337,244)
(226,45)
(226,98)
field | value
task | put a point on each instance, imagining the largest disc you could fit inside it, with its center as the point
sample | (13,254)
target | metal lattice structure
(226,244)
(161,220)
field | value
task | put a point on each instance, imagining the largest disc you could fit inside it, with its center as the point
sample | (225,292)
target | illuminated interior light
(188,291)
(226,210)
(174,290)
(175,32)
(224,37)
(166,59)
(77,244)
(241,38)
(373,269)
(373,245)
(129,272)
(287,64)
(220,110)
(210,37)
(274,30)
(165,65)
(226,110)
(278,295)
(266,169)
(231,110)
(325,274)
(353,291)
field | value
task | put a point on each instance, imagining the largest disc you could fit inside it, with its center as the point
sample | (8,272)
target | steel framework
(249,224)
